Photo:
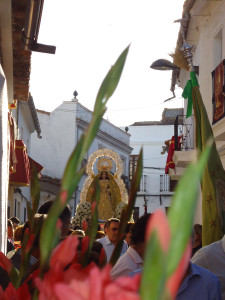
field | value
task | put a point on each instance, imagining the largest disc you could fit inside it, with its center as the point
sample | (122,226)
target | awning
(24,165)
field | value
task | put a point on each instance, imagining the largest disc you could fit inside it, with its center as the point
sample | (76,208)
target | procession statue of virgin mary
(112,188)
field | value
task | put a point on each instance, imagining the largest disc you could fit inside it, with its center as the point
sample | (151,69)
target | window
(143,183)
(133,165)
(164,183)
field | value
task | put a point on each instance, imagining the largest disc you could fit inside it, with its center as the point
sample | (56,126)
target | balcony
(184,151)
(166,185)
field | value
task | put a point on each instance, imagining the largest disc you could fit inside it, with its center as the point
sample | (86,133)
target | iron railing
(183,134)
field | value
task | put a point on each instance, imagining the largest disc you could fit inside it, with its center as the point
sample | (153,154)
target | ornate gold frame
(117,176)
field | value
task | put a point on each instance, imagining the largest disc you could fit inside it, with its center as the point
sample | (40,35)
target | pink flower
(84,244)
(5,263)
(92,283)
(10,293)
(63,197)
(84,225)
(30,242)
(65,252)
(93,206)
(159,223)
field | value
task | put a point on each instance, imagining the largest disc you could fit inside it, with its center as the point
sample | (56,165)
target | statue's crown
(104,164)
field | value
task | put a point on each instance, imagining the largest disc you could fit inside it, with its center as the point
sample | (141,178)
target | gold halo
(104,164)
(105,153)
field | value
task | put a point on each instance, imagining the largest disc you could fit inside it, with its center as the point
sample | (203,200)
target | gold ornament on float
(112,188)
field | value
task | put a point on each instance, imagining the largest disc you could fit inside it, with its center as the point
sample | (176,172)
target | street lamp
(163,65)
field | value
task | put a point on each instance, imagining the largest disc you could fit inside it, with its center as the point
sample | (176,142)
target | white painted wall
(25,126)
(62,128)
(151,138)
(206,22)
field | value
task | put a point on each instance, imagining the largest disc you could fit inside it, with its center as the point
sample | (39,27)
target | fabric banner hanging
(22,174)
(213,181)
(169,162)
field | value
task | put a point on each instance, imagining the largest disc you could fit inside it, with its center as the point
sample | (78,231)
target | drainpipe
(31,28)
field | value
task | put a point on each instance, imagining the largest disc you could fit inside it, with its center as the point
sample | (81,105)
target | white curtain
(3,160)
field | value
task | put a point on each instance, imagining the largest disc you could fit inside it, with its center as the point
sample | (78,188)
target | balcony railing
(166,184)
(183,134)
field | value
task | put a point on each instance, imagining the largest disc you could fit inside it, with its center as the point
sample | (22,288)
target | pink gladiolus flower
(93,205)
(84,244)
(30,243)
(10,293)
(174,281)
(5,263)
(59,224)
(63,197)
(159,223)
(65,252)
(84,225)
(92,283)
(46,286)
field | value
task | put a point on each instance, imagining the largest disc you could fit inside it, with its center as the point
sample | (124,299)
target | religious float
(113,193)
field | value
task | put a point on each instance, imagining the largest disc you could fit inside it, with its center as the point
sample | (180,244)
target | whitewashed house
(61,130)
(204,25)
(156,188)
(26,123)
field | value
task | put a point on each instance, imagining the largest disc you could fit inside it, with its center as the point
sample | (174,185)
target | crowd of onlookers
(204,278)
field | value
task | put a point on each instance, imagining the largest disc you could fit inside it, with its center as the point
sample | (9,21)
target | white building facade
(204,22)
(26,123)
(61,130)
(156,189)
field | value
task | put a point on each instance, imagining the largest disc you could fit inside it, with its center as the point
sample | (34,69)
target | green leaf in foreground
(127,211)
(71,175)
(159,266)
(182,210)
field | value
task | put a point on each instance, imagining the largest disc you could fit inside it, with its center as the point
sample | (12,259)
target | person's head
(15,222)
(105,225)
(104,175)
(112,228)
(18,234)
(9,229)
(97,253)
(138,234)
(37,226)
(198,233)
(128,233)
(64,217)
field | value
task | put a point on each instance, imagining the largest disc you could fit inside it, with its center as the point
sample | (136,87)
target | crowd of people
(204,278)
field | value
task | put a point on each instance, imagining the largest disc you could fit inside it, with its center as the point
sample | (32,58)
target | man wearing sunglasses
(109,241)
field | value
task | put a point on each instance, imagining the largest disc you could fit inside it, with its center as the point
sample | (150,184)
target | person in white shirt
(109,241)
(212,258)
(133,259)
